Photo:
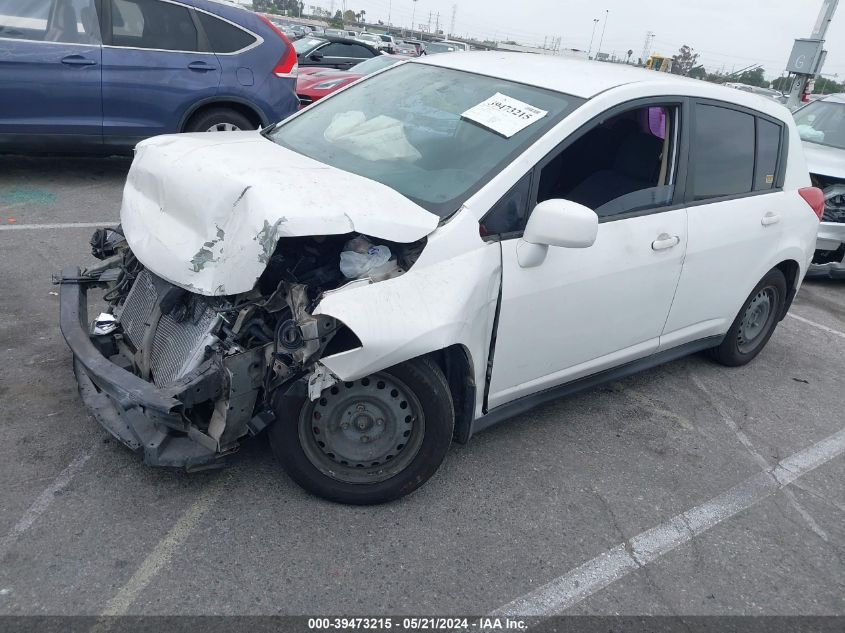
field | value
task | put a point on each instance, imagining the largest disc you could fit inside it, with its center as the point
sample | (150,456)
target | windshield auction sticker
(504,115)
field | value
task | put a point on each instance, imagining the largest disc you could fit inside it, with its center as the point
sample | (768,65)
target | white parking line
(762,461)
(596,574)
(824,328)
(162,552)
(66,225)
(45,499)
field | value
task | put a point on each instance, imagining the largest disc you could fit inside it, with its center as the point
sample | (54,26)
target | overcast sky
(728,33)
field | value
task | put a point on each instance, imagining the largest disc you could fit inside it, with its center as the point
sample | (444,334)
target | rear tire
(756,322)
(369,441)
(219,120)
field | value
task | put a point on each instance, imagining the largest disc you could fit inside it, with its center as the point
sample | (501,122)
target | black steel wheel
(367,441)
(755,323)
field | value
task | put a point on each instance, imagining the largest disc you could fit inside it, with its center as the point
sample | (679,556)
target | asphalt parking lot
(548,512)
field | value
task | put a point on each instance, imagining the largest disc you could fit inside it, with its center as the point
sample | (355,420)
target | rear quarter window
(723,152)
(224,37)
(768,152)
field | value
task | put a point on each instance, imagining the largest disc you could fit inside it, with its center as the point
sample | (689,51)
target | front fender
(427,309)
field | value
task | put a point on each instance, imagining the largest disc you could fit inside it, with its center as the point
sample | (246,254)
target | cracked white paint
(205,211)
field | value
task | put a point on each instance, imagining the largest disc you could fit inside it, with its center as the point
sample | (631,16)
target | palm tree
(362,14)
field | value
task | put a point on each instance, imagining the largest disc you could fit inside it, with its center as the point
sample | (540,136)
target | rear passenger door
(734,198)
(157,62)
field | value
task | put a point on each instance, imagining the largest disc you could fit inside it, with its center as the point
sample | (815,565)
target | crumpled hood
(824,160)
(204,211)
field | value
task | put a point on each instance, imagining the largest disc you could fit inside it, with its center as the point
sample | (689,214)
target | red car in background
(315,83)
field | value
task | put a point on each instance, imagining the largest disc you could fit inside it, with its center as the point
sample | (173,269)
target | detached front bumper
(144,417)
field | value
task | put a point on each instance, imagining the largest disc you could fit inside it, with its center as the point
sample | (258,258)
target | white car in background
(430,251)
(821,125)
(372,39)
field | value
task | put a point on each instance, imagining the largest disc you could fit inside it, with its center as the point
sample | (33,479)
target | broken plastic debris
(360,258)
(104,324)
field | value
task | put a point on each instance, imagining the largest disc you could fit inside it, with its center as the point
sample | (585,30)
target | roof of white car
(839,98)
(577,77)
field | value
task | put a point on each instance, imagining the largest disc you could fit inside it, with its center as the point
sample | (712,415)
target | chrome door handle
(665,241)
(770,218)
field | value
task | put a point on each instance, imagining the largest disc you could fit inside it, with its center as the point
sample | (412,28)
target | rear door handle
(78,60)
(665,241)
(770,218)
(201,67)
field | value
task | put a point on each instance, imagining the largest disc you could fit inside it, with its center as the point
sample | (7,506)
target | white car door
(581,311)
(735,224)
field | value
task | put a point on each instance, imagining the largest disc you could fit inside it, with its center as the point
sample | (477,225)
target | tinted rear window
(723,155)
(224,37)
(768,149)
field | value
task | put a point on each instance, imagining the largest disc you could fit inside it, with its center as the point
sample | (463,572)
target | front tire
(369,441)
(755,323)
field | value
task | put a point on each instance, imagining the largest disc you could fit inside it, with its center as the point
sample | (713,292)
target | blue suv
(101,75)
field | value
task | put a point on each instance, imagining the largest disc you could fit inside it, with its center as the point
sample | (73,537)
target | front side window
(722,163)
(404,128)
(822,122)
(24,20)
(224,37)
(66,21)
(153,24)
(625,164)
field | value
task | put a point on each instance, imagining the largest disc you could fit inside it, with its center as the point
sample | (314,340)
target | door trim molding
(526,403)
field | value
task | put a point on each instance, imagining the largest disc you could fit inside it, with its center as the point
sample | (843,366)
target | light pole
(389,12)
(604,28)
(413,15)
(592,37)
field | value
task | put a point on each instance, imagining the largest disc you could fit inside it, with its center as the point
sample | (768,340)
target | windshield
(433,47)
(822,122)
(306,44)
(369,38)
(374,64)
(405,129)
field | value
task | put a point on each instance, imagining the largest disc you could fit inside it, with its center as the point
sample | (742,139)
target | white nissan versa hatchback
(430,251)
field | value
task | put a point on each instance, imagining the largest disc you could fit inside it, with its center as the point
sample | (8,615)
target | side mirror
(316,57)
(556,223)
(562,223)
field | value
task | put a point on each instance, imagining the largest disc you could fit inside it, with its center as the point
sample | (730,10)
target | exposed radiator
(178,346)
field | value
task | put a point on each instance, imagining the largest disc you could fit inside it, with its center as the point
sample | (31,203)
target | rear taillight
(287,65)
(815,198)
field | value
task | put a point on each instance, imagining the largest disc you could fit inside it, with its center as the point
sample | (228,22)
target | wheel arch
(456,364)
(791,270)
(240,105)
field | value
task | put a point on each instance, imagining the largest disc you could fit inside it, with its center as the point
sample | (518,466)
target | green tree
(337,20)
(699,72)
(753,77)
(684,61)
(349,17)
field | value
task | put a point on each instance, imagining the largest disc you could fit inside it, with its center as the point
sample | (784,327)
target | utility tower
(452,26)
(647,46)
(808,55)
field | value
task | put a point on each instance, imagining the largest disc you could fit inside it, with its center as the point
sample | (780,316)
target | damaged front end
(183,377)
